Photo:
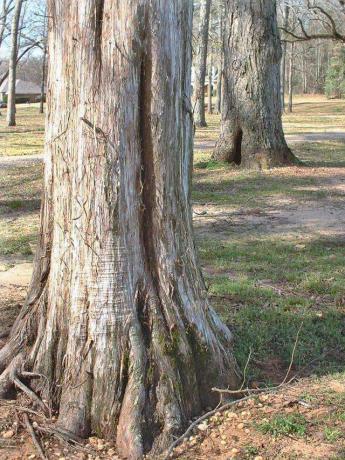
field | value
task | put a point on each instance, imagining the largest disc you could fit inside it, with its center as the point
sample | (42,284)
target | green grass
(20,192)
(264,279)
(284,425)
(332,434)
(27,137)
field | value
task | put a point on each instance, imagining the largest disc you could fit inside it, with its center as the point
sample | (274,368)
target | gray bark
(200,66)
(43,79)
(117,317)
(291,63)
(251,127)
(283,61)
(219,91)
(3,19)
(210,88)
(11,104)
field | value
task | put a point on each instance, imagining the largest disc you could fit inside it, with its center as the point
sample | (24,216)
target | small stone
(247,430)
(240,426)
(235,451)
(7,434)
(224,437)
(202,426)
(35,424)
(258,457)
(223,443)
(30,457)
(62,458)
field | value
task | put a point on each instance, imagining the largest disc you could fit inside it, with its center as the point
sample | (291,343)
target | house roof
(22,87)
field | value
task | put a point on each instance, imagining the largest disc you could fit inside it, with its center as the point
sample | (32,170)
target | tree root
(32,395)
(35,441)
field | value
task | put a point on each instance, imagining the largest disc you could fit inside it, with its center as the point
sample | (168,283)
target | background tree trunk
(251,128)
(117,316)
(210,88)
(43,79)
(291,62)
(200,66)
(283,61)
(219,91)
(11,103)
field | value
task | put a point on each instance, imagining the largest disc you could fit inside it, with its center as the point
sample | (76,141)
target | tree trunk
(210,88)
(3,19)
(283,61)
(117,317)
(200,66)
(43,79)
(11,103)
(305,72)
(219,91)
(291,76)
(251,129)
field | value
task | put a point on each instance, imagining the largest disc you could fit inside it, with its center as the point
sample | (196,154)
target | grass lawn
(27,137)
(272,244)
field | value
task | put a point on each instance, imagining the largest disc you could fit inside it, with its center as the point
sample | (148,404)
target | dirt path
(14,159)
(291,138)
(318,214)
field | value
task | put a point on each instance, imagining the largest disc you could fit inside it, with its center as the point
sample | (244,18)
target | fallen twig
(200,419)
(261,390)
(31,432)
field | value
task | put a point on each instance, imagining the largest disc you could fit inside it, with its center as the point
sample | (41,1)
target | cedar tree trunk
(251,128)
(200,66)
(117,317)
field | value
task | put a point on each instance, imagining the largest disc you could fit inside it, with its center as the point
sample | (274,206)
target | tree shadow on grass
(265,291)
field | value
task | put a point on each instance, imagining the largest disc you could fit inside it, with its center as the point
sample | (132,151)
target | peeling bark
(117,317)
(251,128)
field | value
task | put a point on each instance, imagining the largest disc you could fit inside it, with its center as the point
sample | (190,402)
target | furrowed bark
(117,317)
(251,128)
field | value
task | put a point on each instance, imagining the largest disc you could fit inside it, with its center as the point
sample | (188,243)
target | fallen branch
(32,395)
(261,390)
(33,437)
(200,419)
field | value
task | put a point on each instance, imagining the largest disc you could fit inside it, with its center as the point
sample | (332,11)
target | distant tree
(5,10)
(335,77)
(291,75)
(200,64)
(11,104)
(283,61)
(117,318)
(251,127)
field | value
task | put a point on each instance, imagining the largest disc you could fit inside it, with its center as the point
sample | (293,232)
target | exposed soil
(283,215)
(291,138)
(237,433)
